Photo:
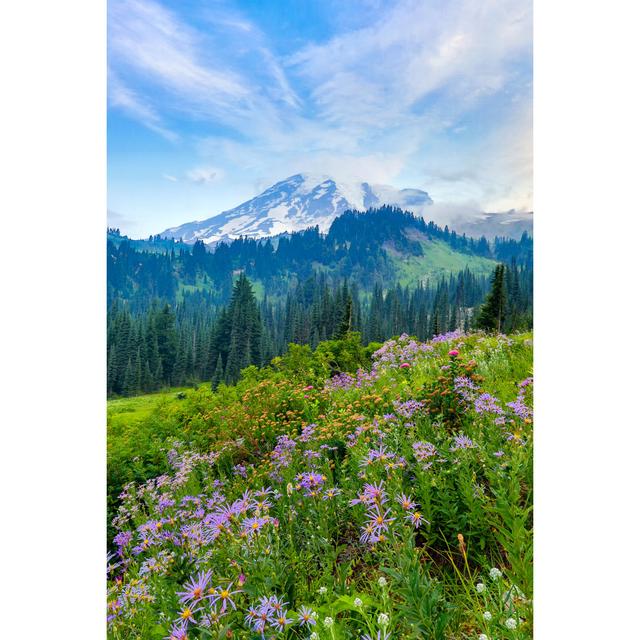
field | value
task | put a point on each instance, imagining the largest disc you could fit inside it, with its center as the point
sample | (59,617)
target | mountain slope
(299,202)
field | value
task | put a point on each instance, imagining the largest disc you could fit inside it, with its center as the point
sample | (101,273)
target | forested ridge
(180,314)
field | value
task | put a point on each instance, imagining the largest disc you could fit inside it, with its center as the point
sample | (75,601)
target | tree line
(355,248)
(196,339)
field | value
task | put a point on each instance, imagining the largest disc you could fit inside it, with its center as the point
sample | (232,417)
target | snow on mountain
(301,201)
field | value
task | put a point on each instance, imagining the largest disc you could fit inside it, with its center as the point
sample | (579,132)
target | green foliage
(309,550)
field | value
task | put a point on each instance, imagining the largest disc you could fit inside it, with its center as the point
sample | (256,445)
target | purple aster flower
(408,408)
(380,520)
(281,621)
(178,632)
(375,493)
(368,534)
(122,539)
(416,519)
(252,526)
(187,615)
(486,403)
(406,502)
(196,588)
(223,596)
(305,617)
(462,442)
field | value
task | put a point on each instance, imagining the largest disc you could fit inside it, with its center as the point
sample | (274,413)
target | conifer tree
(218,374)
(493,311)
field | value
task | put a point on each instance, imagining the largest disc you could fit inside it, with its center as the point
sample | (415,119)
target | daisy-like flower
(281,621)
(406,502)
(416,519)
(178,632)
(368,533)
(305,616)
(380,520)
(196,588)
(187,615)
(331,493)
(223,596)
(380,636)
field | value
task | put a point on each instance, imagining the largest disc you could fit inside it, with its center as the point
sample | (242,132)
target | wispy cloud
(205,175)
(122,97)
(428,93)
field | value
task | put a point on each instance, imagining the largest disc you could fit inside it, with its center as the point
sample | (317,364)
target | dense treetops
(180,314)
(356,247)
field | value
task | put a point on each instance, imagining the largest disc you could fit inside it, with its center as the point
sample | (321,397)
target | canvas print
(319,320)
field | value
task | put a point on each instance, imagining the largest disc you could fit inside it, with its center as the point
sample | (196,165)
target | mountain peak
(300,201)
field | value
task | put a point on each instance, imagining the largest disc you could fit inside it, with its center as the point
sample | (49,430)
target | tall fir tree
(493,312)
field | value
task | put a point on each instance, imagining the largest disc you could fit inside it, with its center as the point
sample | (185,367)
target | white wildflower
(495,573)
(510,623)
(328,622)
(314,636)
(382,581)
(322,590)
(357,602)
(487,615)
(483,636)
(480,587)
(383,619)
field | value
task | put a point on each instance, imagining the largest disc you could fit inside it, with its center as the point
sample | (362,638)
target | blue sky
(212,101)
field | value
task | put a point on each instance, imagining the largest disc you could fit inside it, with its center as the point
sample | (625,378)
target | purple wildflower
(223,596)
(178,632)
(408,408)
(486,403)
(406,502)
(462,442)
(195,589)
(416,519)
(305,617)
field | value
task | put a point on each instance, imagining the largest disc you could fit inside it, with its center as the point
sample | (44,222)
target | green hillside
(438,260)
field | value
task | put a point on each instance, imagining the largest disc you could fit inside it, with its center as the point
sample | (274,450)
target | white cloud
(205,175)
(124,98)
(396,101)
(170,178)
(117,220)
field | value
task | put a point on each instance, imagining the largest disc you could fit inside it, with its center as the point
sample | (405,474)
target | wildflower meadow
(346,492)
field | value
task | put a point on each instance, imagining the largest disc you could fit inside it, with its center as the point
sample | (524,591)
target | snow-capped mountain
(299,202)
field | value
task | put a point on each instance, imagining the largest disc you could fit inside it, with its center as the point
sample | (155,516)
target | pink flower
(454,352)
(405,365)
(308,388)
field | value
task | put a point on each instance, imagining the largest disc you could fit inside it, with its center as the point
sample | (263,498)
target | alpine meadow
(320,386)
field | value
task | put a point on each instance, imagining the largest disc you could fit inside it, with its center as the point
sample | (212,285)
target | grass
(438,260)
